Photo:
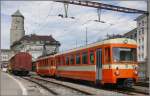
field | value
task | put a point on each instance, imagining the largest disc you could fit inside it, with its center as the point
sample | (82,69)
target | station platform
(9,87)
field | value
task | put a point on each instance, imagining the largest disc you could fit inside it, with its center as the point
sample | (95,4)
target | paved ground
(9,86)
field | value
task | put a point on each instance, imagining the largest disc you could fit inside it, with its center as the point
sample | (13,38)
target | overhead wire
(40,25)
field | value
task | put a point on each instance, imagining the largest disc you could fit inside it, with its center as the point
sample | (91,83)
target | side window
(84,58)
(92,57)
(46,62)
(51,62)
(107,55)
(71,59)
(56,61)
(63,59)
(67,60)
(59,60)
(62,62)
(78,59)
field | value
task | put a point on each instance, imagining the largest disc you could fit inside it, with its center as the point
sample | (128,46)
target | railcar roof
(46,57)
(109,41)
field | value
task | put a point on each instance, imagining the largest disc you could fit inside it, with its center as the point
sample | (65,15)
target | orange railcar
(110,61)
(45,66)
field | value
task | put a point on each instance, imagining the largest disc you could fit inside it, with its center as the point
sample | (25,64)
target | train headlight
(136,72)
(117,71)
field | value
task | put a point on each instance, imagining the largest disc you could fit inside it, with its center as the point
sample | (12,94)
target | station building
(32,43)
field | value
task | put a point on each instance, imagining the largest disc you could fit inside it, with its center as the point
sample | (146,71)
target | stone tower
(17,27)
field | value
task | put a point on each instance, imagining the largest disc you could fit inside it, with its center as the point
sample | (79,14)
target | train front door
(98,65)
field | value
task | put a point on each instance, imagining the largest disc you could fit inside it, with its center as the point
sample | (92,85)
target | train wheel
(128,83)
(15,72)
(97,83)
(57,77)
(25,73)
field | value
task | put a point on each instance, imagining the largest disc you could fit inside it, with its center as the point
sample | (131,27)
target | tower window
(139,24)
(139,32)
(143,23)
(139,41)
(142,29)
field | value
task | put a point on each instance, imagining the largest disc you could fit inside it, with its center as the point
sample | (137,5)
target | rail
(43,83)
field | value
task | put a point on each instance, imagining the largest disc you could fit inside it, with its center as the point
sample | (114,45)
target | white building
(142,37)
(34,44)
(142,43)
(6,54)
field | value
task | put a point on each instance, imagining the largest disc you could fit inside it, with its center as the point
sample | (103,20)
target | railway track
(57,88)
(89,90)
(142,84)
(132,91)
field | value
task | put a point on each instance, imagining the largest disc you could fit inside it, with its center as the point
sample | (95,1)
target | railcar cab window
(107,55)
(124,54)
(78,60)
(72,59)
(67,60)
(84,58)
(91,57)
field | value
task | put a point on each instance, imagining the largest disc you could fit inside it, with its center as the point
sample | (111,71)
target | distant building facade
(131,34)
(33,44)
(142,37)
(142,44)
(6,54)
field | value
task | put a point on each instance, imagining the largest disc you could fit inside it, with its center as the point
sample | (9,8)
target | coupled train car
(110,61)
(20,63)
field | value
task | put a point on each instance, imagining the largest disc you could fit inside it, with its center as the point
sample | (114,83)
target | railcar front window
(124,54)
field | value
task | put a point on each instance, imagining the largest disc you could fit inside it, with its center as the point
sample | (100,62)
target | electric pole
(86,41)
(148,41)
(76,43)
(66,9)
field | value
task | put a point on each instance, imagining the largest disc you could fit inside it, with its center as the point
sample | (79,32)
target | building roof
(140,17)
(8,50)
(131,32)
(34,37)
(17,13)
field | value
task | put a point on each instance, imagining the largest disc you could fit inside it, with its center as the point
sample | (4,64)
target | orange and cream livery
(110,61)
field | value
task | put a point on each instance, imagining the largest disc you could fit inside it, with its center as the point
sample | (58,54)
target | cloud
(41,17)
(141,5)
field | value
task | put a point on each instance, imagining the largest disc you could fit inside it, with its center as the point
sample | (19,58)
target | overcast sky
(41,17)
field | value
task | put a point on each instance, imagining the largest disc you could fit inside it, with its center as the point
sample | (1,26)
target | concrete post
(148,42)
